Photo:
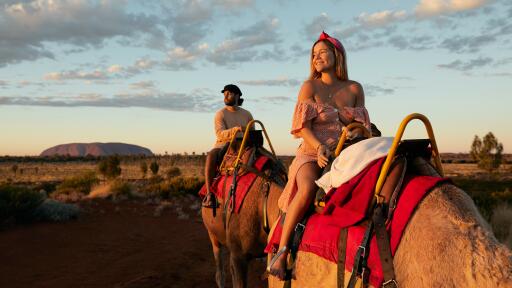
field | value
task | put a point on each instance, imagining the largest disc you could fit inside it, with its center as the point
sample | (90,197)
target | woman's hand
(323,154)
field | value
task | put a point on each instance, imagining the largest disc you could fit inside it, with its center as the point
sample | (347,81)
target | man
(229,120)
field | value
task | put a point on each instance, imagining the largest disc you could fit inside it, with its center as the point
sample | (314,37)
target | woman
(327,102)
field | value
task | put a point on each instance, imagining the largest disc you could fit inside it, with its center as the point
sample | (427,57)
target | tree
(144,168)
(487,153)
(109,167)
(154,167)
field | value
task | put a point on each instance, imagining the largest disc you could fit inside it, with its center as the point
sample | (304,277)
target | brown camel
(244,235)
(447,243)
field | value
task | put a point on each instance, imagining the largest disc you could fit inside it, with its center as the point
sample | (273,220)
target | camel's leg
(239,266)
(220,274)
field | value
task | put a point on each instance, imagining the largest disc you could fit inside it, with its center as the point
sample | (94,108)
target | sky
(150,72)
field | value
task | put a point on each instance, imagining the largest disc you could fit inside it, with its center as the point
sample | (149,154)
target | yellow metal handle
(244,140)
(344,135)
(394,146)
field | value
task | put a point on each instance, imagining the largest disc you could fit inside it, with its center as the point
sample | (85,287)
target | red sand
(112,245)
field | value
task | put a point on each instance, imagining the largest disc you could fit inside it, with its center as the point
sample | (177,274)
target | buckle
(363,253)
(390,284)
(300,227)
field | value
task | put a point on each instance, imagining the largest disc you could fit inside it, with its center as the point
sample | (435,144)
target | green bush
(181,186)
(109,167)
(18,203)
(120,188)
(154,167)
(81,183)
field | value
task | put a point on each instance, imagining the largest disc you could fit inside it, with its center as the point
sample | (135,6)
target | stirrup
(213,203)
(287,274)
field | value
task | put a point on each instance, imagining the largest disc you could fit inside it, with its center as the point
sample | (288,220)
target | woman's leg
(306,189)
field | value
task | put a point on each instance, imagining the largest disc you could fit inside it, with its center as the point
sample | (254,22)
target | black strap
(384,246)
(342,252)
(360,268)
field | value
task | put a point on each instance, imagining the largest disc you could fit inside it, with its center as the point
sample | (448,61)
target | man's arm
(223,133)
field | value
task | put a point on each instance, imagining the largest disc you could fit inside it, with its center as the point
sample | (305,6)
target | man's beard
(231,102)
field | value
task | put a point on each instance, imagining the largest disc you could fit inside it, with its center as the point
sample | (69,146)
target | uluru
(96,149)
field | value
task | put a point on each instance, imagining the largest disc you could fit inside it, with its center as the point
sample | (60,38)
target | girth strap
(360,268)
(386,259)
(342,252)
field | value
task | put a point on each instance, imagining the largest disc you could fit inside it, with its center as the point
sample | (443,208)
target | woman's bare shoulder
(356,89)
(307,92)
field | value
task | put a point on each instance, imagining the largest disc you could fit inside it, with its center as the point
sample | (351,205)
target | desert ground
(142,242)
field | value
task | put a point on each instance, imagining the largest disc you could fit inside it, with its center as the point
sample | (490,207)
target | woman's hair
(340,62)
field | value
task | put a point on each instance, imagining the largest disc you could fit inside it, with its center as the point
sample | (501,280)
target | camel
(244,236)
(447,243)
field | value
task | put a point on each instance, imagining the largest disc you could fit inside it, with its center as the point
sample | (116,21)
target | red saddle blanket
(347,206)
(222,184)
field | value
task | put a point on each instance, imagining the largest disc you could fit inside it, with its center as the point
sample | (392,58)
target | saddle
(412,156)
(230,153)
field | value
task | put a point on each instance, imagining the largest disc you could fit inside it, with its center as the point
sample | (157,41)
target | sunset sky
(150,72)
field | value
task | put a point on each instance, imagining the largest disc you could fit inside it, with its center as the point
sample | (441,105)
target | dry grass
(32,172)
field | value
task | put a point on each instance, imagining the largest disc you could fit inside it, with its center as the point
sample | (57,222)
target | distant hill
(96,149)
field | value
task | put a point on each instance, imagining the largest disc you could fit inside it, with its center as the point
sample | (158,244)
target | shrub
(154,167)
(109,167)
(181,186)
(81,183)
(51,210)
(120,188)
(144,168)
(173,172)
(18,203)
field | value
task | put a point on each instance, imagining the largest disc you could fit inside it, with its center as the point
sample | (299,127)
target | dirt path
(112,245)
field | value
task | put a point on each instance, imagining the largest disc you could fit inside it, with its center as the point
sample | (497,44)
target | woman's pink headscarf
(334,41)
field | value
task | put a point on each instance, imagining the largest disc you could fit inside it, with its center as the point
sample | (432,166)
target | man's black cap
(232,88)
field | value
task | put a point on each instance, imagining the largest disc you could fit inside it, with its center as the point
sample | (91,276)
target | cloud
(273,82)
(234,4)
(276,99)
(376,90)
(190,21)
(499,74)
(180,58)
(503,62)
(3,83)
(382,18)
(467,65)
(27,27)
(198,100)
(242,43)
(429,8)
(465,44)
(143,85)
(112,72)
(412,43)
